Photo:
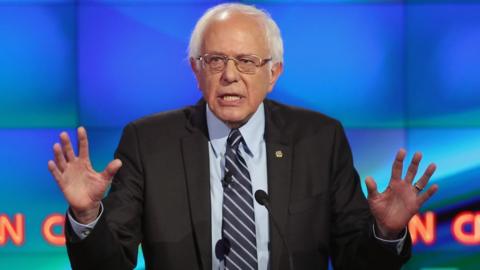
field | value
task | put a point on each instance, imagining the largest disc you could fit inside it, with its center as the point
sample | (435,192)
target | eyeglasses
(248,64)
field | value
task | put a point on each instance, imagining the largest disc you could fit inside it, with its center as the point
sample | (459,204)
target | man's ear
(194,65)
(275,72)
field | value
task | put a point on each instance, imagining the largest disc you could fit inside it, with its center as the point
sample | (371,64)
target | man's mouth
(230,97)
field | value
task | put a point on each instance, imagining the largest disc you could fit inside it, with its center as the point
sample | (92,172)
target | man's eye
(216,59)
(248,61)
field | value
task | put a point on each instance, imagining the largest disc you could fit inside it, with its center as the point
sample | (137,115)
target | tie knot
(234,138)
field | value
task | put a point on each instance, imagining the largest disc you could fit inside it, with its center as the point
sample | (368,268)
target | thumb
(371,187)
(111,169)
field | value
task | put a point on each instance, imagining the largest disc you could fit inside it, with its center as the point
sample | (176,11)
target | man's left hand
(393,208)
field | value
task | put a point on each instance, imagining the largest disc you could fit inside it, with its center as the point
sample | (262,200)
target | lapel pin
(279,154)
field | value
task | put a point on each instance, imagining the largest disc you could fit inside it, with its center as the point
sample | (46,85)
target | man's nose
(230,73)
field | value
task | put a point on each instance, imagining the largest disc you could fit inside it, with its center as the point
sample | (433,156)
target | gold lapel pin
(279,154)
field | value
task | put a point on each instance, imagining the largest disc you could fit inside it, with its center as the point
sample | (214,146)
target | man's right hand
(81,185)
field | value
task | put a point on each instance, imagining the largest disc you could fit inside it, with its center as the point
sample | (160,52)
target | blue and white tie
(238,214)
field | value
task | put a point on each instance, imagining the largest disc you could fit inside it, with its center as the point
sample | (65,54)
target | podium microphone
(262,198)
(227,179)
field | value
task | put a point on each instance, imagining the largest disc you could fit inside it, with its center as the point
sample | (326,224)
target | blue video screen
(397,74)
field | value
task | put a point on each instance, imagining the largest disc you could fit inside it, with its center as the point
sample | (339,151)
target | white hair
(272,32)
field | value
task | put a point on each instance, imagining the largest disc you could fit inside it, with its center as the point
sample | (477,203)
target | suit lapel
(279,163)
(196,161)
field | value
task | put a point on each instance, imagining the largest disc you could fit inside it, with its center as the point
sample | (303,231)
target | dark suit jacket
(161,197)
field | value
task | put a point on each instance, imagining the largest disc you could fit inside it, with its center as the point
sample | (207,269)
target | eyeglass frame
(226,58)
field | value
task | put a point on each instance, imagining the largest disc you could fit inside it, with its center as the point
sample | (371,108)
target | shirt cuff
(396,244)
(83,230)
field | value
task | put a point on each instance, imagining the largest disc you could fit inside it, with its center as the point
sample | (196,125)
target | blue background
(396,73)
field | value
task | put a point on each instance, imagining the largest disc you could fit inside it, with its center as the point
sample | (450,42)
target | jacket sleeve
(353,244)
(113,242)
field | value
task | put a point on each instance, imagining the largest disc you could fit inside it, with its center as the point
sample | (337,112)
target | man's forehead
(235,33)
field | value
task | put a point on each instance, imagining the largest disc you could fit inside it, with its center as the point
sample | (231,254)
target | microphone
(222,248)
(227,179)
(262,198)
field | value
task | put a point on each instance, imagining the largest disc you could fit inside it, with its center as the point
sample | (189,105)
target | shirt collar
(252,131)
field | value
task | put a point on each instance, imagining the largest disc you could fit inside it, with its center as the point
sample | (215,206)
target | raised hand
(402,199)
(81,185)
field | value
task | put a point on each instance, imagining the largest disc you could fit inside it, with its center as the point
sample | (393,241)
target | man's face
(234,96)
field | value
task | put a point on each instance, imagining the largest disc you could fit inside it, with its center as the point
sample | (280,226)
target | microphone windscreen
(261,196)
(222,248)
(227,179)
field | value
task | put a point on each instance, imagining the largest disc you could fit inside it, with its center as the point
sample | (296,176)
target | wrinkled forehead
(235,33)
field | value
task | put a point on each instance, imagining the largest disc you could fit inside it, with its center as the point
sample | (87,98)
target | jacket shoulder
(163,118)
(300,120)
(172,123)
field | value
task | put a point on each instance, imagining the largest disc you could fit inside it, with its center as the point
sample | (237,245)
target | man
(183,181)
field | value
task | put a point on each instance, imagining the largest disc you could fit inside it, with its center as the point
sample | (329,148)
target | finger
(82,143)
(67,146)
(423,181)
(397,166)
(413,167)
(371,187)
(60,161)
(111,169)
(427,194)
(52,167)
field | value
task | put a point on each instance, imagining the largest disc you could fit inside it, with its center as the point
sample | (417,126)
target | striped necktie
(238,214)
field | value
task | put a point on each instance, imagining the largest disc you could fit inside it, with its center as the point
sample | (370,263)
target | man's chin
(233,121)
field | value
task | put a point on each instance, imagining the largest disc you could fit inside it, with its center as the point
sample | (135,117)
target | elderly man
(184,181)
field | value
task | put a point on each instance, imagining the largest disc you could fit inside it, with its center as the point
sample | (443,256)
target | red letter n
(15,232)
